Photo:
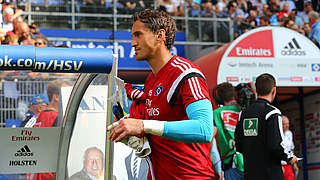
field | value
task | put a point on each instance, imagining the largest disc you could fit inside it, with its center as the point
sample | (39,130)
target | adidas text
(23,154)
(292,52)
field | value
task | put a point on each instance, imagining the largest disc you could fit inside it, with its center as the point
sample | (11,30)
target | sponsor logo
(158,90)
(315,67)
(246,79)
(24,151)
(317,79)
(293,49)
(254,65)
(284,78)
(23,163)
(245,47)
(232,64)
(232,79)
(230,119)
(253,52)
(308,79)
(302,65)
(295,78)
(250,127)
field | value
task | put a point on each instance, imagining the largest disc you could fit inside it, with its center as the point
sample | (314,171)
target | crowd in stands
(299,15)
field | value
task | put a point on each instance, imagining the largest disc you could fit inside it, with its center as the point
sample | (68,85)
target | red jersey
(175,86)
(47,118)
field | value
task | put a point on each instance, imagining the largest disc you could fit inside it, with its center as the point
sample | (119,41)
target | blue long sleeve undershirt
(199,127)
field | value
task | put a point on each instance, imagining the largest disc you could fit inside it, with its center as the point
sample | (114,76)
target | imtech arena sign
(289,56)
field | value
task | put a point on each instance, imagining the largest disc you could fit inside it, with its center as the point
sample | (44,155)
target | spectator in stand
(304,14)
(274,5)
(295,27)
(306,29)
(273,17)
(284,11)
(132,6)
(254,15)
(258,4)
(290,3)
(195,9)
(37,104)
(27,42)
(297,20)
(243,5)
(23,31)
(2,35)
(221,7)
(11,39)
(40,42)
(16,21)
(288,23)
(282,21)
(10,4)
(180,7)
(264,11)
(7,23)
(169,6)
(236,14)
(315,32)
(264,21)
(207,9)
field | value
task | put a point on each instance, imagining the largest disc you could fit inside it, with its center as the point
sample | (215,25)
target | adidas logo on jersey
(293,49)
(24,151)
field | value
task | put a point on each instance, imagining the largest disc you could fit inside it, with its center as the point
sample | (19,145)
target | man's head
(285,123)
(313,17)
(11,39)
(307,28)
(93,161)
(53,89)
(226,92)
(8,15)
(308,7)
(285,7)
(152,29)
(23,30)
(266,85)
(232,6)
(38,103)
(264,21)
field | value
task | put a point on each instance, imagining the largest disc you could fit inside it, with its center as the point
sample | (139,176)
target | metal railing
(73,14)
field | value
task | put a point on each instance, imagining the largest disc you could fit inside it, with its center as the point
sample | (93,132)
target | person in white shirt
(8,16)
(289,146)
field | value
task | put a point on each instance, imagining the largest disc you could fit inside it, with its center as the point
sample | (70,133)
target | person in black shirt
(259,135)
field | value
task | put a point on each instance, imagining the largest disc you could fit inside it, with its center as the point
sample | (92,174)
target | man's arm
(275,139)
(238,135)
(199,127)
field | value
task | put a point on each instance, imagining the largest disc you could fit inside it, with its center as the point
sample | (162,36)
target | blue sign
(49,59)
(315,67)
(124,50)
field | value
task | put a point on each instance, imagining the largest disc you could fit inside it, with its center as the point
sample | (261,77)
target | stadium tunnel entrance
(294,61)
